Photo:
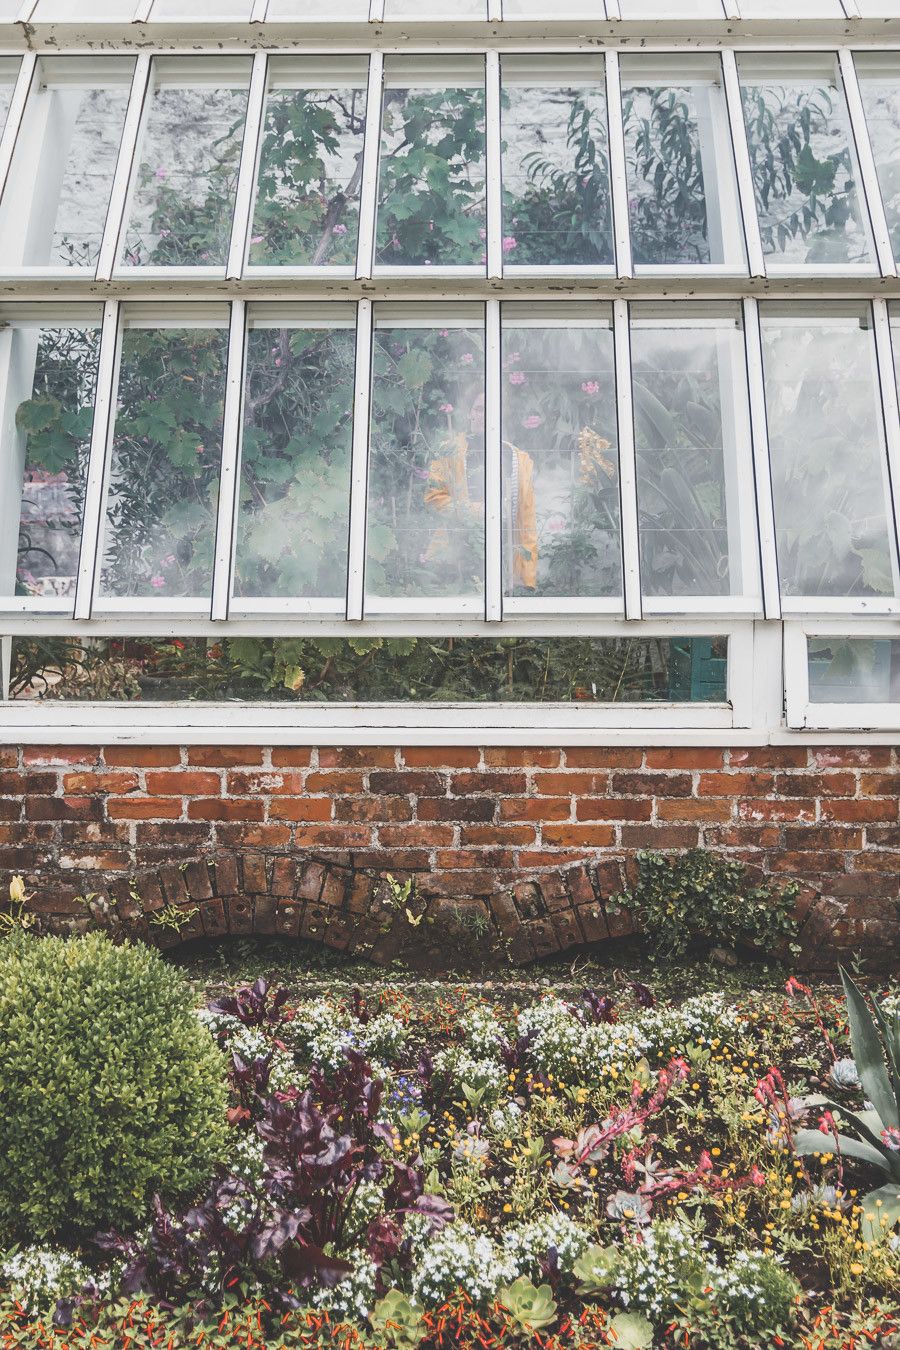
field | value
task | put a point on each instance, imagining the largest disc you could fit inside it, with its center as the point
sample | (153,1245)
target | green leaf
(632,1332)
(817,1141)
(869,1054)
(883,1204)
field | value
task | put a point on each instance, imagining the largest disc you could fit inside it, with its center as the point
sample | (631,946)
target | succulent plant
(595,1269)
(844,1074)
(875,1039)
(398,1320)
(532,1308)
(629,1207)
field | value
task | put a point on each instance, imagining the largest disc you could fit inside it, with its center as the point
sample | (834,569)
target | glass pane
(664,9)
(537,9)
(51,371)
(183,192)
(317,9)
(431,170)
(200,11)
(295,461)
(556,193)
(690,425)
(799,9)
(160,515)
(9,69)
(435,9)
(682,197)
(826,442)
(560,457)
(804,168)
(54,207)
(425,534)
(310,165)
(854,670)
(879,84)
(421,670)
(98,11)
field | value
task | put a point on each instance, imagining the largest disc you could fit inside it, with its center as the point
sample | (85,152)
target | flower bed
(451,1166)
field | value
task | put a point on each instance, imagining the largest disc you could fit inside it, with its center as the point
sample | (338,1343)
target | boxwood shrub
(111,1088)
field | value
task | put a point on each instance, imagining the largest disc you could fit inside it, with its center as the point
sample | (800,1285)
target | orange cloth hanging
(525,535)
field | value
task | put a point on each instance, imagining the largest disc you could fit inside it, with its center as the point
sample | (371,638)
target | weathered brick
(535,808)
(443,757)
(224,756)
(458,808)
(605,808)
(591,836)
(143,808)
(92,781)
(651,784)
(225,808)
(299,808)
(141,756)
(183,783)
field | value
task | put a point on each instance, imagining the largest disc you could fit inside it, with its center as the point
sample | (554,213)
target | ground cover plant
(559,1162)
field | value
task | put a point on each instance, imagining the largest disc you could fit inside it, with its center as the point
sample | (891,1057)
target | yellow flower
(857,1268)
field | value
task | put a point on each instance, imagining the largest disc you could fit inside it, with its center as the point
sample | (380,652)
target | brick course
(79,821)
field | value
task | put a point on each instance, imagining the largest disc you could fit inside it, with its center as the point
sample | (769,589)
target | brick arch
(244,893)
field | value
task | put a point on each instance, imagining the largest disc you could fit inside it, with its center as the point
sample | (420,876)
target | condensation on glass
(431,173)
(682,193)
(55,203)
(48,366)
(696,507)
(879,85)
(306,210)
(556,192)
(9,70)
(803,161)
(159,516)
(853,669)
(185,174)
(425,524)
(826,441)
(535,670)
(537,9)
(797,9)
(294,504)
(561,530)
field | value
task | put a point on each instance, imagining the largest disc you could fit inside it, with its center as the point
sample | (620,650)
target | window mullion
(118,199)
(493,167)
(495,11)
(359,463)
(613,9)
(762,468)
(628,508)
(229,473)
(101,434)
(244,195)
(888,384)
(867,170)
(368,190)
(851,9)
(376,11)
(143,11)
(617,174)
(741,151)
(732,9)
(493,456)
(21,90)
(258,12)
(25,12)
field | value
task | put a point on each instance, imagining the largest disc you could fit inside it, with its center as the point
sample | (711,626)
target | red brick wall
(76,820)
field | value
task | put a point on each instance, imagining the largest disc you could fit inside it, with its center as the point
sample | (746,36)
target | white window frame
(755,631)
(804,715)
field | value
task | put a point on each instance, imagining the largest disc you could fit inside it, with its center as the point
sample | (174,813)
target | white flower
(460,1257)
(39,1276)
(527,1244)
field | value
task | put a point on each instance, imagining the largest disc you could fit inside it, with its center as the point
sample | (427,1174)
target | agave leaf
(890,1032)
(869,1054)
(817,1141)
(874,1212)
(869,1123)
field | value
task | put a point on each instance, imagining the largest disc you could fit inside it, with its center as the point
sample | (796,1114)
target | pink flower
(168,560)
(278,360)
(339,229)
(467,358)
(446,408)
(200,449)
(509,243)
(517,377)
(482,234)
(162,174)
(513,358)
(256,238)
(443,332)
(532,421)
(590,387)
(156,582)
